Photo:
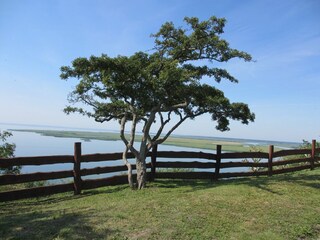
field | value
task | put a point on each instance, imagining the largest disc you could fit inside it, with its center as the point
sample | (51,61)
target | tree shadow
(43,200)
(56,198)
(190,185)
(112,189)
(21,220)
(50,225)
(265,183)
(303,178)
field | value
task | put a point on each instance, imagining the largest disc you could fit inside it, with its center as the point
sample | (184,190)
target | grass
(279,207)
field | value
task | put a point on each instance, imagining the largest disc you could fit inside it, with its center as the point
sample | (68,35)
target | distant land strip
(234,145)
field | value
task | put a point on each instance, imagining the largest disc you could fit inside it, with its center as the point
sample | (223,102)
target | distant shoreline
(209,143)
(64,128)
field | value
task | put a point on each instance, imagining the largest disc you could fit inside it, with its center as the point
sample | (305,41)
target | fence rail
(309,160)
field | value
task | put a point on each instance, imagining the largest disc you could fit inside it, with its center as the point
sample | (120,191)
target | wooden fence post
(271,150)
(218,161)
(76,168)
(313,154)
(153,162)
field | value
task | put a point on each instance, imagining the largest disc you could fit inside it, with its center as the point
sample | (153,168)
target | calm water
(33,144)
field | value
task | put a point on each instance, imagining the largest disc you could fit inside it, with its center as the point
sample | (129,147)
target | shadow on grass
(306,179)
(43,200)
(50,225)
(189,184)
(195,185)
(57,198)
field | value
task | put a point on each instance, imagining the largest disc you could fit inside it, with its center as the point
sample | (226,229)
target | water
(33,144)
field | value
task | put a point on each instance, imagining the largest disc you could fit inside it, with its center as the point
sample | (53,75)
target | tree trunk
(141,172)
(130,178)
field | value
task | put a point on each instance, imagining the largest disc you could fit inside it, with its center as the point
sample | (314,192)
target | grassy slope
(174,141)
(278,207)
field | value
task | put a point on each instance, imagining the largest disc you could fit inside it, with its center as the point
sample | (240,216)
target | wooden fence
(272,164)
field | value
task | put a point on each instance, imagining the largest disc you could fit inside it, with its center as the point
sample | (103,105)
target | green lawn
(278,207)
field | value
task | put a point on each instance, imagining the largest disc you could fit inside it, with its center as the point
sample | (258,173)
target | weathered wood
(102,170)
(93,183)
(290,152)
(32,177)
(111,181)
(76,168)
(242,164)
(242,174)
(103,157)
(185,154)
(290,161)
(291,169)
(35,192)
(185,165)
(270,159)
(184,175)
(153,162)
(37,160)
(99,157)
(218,163)
(111,169)
(243,155)
(313,154)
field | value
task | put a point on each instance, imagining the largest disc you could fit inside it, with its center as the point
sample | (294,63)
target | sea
(34,144)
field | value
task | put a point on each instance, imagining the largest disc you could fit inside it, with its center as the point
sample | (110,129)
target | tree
(152,87)
(308,145)
(7,151)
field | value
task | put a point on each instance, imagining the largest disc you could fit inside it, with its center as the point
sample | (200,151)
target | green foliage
(305,145)
(166,80)
(7,151)
(154,86)
(36,184)
(255,160)
(175,170)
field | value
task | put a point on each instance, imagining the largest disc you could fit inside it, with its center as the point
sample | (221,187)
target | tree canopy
(157,84)
(7,151)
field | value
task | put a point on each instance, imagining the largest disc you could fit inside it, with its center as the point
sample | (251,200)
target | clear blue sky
(282,87)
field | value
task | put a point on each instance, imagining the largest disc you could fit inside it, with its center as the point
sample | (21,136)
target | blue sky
(282,87)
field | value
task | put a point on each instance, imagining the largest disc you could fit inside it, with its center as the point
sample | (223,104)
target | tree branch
(122,127)
(128,144)
(88,101)
(163,123)
(133,133)
(146,132)
(159,141)
(174,107)
(125,159)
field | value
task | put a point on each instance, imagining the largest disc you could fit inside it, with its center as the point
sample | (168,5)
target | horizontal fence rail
(273,163)
(33,177)
(200,155)
(41,160)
